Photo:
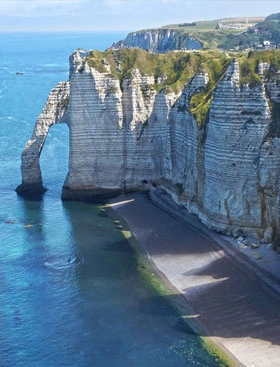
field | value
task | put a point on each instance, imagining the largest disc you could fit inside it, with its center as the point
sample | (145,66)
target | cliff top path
(232,296)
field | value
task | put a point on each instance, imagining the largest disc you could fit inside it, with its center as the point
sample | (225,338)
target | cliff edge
(202,125)
(159,40)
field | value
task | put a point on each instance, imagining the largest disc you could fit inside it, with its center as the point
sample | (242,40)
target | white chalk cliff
(125,136)
(55,111)
(159,40)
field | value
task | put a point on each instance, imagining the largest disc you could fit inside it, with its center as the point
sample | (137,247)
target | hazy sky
(127,15)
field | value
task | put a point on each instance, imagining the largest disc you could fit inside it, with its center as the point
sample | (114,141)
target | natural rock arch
(125,137)
(54,112)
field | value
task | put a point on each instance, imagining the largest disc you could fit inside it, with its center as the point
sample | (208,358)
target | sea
(71,293)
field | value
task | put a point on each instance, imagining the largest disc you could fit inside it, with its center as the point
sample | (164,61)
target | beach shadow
(164,306)
(234,304)
(169,236)
(229,300)
(238,321)
(119,246)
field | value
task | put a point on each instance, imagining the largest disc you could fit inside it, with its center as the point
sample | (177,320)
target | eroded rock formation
(55,111)
(129,134)
(159,40)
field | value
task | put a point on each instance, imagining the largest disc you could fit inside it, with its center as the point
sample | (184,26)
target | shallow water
(70,292)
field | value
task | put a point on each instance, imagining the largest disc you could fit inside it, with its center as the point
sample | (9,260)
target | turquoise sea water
(70,293)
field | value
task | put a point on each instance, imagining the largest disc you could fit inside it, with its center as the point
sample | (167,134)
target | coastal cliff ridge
(204,126)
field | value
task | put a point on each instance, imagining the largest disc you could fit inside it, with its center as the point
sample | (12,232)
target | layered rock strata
(238,124)
(126,136)
(159,40)
(55,111)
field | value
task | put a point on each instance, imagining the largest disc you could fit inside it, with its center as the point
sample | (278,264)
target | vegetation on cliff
(200,102)
(227,37)
(170,70)
(254,37)
(249,75)
(270,28)
(236,34)
(212,38)
(249,66)
(173,70)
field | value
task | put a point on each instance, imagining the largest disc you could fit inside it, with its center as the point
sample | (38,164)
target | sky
(121,15)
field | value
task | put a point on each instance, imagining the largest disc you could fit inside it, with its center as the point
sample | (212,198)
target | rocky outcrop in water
(129,134)
(159,40)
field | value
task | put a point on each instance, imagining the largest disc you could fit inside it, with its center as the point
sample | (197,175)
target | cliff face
(129,134)
(159,40)
(116,133)
(238,124)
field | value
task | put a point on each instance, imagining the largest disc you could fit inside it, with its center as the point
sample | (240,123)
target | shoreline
(158,281)
(262,260)
(227,302)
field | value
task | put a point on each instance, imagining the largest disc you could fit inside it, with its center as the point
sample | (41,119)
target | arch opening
(54,158)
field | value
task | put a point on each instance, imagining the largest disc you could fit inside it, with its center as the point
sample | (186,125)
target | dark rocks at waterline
(31,190)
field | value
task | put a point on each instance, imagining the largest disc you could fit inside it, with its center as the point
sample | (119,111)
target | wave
(65,263)
(51,65)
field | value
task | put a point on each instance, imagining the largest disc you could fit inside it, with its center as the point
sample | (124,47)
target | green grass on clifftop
(200,102)
(175,67)
(249,66)
(226,39)
(173,70)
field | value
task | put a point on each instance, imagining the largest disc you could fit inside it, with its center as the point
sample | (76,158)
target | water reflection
(71,294)
(132,323)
